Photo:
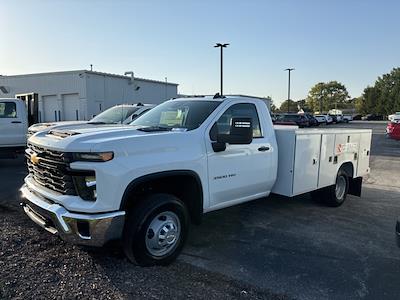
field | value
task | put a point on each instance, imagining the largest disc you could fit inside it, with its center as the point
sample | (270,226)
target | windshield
(114,115)
(187,114)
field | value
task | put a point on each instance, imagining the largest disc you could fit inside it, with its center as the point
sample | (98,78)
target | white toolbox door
(327,168)
(364,154)
(306,164)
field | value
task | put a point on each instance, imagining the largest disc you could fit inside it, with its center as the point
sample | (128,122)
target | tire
(336,194)
(155,230)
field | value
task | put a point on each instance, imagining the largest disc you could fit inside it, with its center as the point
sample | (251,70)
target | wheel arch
(348,167)
(184,184)
(355,183)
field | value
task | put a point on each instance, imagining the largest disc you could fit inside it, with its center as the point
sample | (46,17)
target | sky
(351,41)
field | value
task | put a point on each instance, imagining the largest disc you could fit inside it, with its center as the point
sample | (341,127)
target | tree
(325,96)
(302,104)
(273,107)
(292,106)
(384,97)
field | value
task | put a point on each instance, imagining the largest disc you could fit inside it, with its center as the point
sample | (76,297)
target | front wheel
(155,230)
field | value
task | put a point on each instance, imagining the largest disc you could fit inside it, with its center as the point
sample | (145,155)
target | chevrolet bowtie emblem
(35,159)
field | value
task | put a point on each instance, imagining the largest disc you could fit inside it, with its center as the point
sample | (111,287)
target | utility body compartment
(309,159)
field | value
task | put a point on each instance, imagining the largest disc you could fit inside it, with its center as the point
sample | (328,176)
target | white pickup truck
(119,114)
(144,183)
(13,126)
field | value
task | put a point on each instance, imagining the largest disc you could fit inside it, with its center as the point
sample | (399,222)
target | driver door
(237,174)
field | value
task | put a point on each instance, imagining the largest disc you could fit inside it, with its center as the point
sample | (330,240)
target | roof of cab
(218,98)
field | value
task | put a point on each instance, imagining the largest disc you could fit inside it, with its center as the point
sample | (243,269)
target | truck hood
(47,126)
(89,138)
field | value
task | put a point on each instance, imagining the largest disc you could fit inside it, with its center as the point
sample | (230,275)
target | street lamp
(222,46)
(288,98)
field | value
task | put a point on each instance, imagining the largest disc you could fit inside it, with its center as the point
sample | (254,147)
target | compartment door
(306,165)
(364,154)
(327,167)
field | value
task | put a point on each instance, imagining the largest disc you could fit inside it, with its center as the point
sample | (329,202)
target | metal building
(81,94)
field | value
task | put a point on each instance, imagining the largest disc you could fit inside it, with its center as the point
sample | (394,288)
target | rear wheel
(155,230)
(336,194)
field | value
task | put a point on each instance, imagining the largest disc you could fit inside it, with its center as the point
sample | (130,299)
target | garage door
(71,107)
(50,108)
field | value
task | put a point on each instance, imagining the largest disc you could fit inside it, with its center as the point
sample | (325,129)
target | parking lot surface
(272,248)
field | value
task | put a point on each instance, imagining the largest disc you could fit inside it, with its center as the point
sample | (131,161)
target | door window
(242,110)
(8,110)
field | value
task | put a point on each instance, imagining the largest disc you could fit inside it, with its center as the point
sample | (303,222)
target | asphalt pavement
(310,251)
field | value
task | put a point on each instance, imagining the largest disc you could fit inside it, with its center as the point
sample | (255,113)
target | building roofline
(226,96)
(89,72)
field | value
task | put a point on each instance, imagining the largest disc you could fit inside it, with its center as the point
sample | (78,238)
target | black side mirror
(241,132)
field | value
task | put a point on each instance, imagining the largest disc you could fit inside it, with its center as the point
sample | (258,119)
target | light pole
(288,97)
(222,46)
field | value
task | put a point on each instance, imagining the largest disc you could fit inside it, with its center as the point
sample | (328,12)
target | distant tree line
(383,98)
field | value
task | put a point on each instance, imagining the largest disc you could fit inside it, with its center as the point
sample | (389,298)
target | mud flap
(355,186)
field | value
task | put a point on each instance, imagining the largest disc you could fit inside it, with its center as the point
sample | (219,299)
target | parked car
(324,119)
(395,116)
(144,183)
(119,114)
(393,130)
(334,118)
(357,117)
(312,120)
(372,117)
(292,119)
(347,118)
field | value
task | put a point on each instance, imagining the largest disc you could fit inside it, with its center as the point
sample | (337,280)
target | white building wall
(51,88)
(72,95)
(105,91)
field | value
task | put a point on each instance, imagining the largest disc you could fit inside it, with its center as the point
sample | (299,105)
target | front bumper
(76,228)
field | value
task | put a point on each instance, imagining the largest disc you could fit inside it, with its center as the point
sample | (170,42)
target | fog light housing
(86,186)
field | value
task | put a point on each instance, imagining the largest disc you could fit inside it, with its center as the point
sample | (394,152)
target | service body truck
(13,127)
(144,183)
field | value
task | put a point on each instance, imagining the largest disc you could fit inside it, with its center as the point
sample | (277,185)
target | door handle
(263,148)
(16,122)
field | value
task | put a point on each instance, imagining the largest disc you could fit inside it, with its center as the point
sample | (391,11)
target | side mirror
(241,132)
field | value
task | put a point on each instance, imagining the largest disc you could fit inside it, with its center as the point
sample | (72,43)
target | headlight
(93,156)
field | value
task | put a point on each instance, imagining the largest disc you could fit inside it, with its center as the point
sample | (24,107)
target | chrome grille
(50,170)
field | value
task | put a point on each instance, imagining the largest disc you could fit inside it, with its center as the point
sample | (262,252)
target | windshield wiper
(154,128)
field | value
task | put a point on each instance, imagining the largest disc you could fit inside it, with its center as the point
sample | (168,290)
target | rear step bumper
(76,228)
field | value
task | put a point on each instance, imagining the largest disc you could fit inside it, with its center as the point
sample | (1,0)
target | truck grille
(50,169)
